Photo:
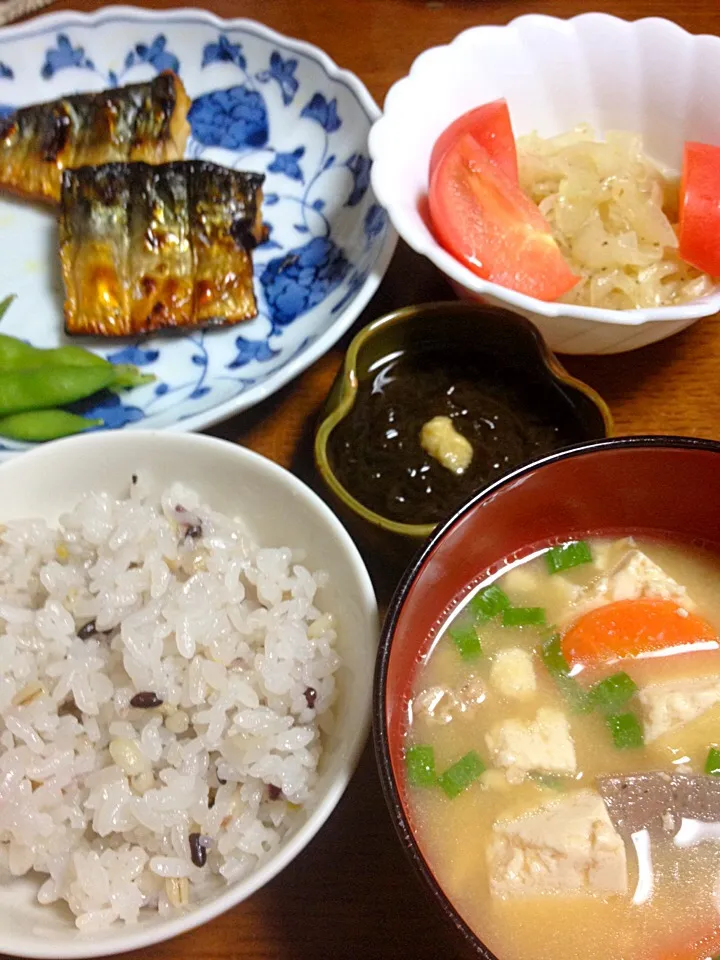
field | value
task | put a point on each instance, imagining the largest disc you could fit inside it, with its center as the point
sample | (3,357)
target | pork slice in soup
(563,754)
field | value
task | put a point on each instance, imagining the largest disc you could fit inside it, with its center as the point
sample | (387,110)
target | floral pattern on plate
(259,102)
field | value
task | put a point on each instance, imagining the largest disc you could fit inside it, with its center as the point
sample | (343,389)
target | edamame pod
(37,426)
(16,354)
(41,389)
(128,376)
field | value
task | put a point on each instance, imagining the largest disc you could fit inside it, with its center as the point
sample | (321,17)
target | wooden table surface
(351,895)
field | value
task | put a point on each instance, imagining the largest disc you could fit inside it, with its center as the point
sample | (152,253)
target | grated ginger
(612,211)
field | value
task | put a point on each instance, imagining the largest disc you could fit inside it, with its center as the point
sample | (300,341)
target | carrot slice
(630,628)
(706,947)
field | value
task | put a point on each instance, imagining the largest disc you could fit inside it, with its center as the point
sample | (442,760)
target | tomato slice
(631,628)
(490,126)
(485,220)
(700,207)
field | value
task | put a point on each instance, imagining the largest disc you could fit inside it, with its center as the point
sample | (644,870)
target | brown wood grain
(350,894)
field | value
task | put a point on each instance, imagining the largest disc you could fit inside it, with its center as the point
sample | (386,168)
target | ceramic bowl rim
(349,386)
(350,750)
(449,265)
(381,740)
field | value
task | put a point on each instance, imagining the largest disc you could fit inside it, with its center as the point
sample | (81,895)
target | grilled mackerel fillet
(143,121)
(146,248)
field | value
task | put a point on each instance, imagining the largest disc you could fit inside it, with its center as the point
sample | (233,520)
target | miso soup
(562,754)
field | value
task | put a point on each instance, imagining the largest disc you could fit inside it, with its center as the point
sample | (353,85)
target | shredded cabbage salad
(612,212)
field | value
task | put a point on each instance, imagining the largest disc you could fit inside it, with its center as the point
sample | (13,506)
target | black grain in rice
(88,630)
(198,853)
(146,700)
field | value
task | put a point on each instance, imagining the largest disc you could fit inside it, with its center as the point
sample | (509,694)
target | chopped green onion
(549,780)
(461,774)
(608,695)
(523,617)
(557,666)
(568,555)
(712,764)
(488,603)
(466,640)
(612,693)
(420,765)
(626,731)
(554,658)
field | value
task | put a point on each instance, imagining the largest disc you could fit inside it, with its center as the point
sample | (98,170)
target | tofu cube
(675,703)
(566,846)
(512,673)
(639,576)
(543,745)
(635,575)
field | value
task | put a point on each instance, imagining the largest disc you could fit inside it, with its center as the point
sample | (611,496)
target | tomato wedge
(700,208)
(630,628)
(490,126)
(485,220)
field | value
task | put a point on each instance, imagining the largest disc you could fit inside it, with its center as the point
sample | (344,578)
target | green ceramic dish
(487,331)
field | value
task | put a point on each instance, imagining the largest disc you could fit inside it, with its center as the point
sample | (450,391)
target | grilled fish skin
(225,218)
(144,121)
(155,247)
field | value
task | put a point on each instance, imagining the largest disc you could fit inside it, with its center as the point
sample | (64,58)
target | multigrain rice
(165,684)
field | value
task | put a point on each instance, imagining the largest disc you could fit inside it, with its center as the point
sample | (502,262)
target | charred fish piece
(147,248)
(144,122)
(225,224)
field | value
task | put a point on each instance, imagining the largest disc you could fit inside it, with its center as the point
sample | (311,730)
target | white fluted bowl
(649,77)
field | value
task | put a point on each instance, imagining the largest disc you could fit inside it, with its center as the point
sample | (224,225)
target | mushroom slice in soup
(437,704)
(440,704)
(471,693)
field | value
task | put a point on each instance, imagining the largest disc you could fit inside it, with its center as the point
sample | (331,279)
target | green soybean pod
(17,355)
(13,351)
(37,426)
(42,389)
(127,376)
(71,356)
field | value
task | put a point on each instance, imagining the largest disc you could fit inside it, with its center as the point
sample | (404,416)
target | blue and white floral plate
(260,102)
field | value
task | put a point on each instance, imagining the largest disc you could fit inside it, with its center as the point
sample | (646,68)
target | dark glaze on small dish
(507,418)
(504,351)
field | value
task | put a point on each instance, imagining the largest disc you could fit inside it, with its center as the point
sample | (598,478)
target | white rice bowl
(168,691)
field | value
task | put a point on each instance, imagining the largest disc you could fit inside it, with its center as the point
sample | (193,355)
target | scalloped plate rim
(449,265)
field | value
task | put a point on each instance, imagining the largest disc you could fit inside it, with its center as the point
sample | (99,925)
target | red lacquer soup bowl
(652,486)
